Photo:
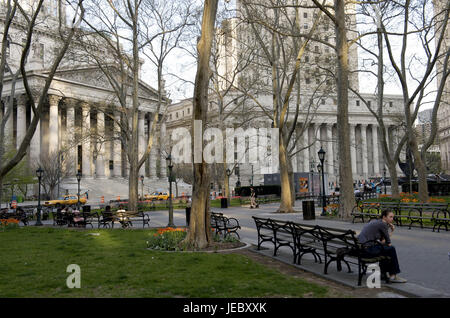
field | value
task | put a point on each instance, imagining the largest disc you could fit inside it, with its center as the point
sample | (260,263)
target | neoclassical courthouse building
(317,128)
(76,94)
(444,108)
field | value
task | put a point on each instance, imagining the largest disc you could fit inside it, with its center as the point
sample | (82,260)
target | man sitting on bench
(376,240)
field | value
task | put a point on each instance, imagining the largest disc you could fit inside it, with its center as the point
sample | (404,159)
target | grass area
(116,263)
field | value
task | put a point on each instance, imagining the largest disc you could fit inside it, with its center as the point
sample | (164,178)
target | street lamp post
(78,179)
(384,179)
(321,154)
(312,166)
(39,173)
(170,166)
(142,187)
(227,186)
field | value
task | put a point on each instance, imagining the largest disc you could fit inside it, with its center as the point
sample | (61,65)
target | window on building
(316,49)
(316,59)
(305,15)
(391,104)
(307,59)
(357,103)
(322,101)
(188,111)
(170,117)
(307,80)
(317,81)
(177,114)
(305,26)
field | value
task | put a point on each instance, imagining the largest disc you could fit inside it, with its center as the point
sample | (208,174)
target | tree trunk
(286,204)
(199,234)
(421,170)
(226,179)
(347,196)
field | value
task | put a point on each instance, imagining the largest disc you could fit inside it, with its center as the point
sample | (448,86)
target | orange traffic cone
(103,199)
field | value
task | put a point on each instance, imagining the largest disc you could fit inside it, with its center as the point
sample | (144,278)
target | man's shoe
(397,279)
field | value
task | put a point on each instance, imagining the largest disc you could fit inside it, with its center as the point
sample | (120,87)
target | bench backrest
(263,223)
(336,238)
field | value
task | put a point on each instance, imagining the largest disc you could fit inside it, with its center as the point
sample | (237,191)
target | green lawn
(116,263)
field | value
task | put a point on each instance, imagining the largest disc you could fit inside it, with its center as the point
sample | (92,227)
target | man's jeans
(388,265)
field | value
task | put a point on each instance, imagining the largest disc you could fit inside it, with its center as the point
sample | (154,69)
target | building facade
(444,108)
(81,119)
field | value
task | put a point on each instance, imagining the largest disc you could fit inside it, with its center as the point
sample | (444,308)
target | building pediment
(95,78)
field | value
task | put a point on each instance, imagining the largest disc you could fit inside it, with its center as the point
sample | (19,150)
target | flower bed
(9,223)
(167,239)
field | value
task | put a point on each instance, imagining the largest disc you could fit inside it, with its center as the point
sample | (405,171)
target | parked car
(65,200)
(157,196)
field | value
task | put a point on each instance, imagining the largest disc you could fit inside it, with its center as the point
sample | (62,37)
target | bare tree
(152,29)
(199,234)
(337,15)
(275,27)
(56,167)
(418,22)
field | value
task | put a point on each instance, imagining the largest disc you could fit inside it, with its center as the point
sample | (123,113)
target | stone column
(299,154)
(163,140)
(365,163)
(312,149)
(353,148)
(72,149)
(329,151)
(117,156)
(100,162)
(35,145)
(86,158)
(293,158)
(305,152)
(9,126)
(153,152)
(141,142)
(21,119)
(376,159)
(53,125)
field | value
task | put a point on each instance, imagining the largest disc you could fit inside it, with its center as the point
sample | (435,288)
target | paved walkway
(423,254)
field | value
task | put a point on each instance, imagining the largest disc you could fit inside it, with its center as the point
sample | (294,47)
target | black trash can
(86,208)
(223,203)
(309,212)
(188,215)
